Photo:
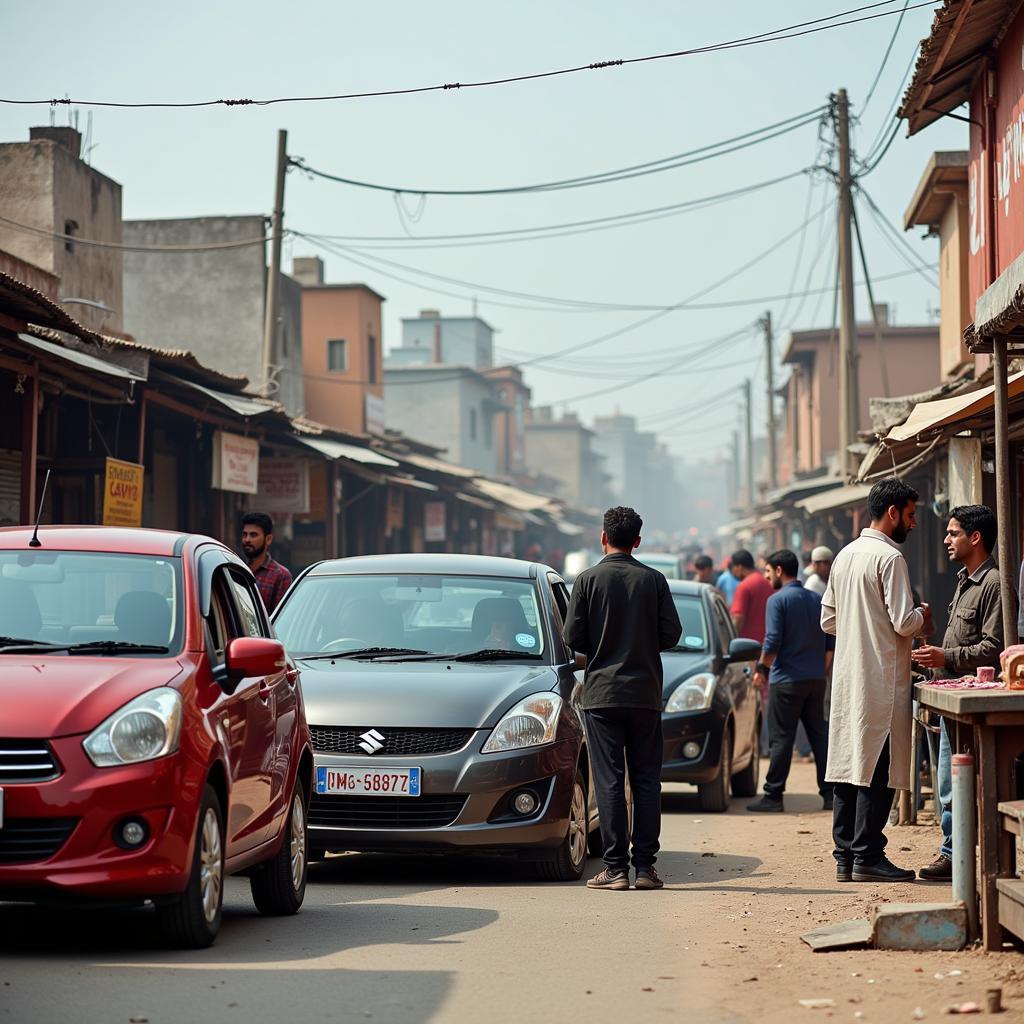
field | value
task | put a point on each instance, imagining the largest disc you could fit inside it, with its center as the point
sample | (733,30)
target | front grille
(26,761)
(23,840)
(333,739)
(373,812)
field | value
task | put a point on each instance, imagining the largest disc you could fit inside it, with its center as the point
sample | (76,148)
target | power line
(686,159)
(903,247)
(794,31)
(885,57)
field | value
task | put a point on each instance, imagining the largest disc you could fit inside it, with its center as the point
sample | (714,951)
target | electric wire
(885,57)
(892,234)
(794,31)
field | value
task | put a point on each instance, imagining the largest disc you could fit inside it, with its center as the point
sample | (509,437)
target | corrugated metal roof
(952,57)
(23,302)
(340,450)
(80,358)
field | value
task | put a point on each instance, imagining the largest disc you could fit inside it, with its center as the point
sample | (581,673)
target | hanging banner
(122,493)
(236,463)
(283,486)
(434,521)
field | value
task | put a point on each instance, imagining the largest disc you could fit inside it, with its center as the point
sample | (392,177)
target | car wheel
(744,783)
(714,795)
(279,885)
(192,919)
(566,862)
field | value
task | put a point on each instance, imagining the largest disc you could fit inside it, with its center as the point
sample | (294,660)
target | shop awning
(240,405)
(731,529)
(411,483)
(351,452)
(438,466)
(800,488)
(79,358)
(469,499)
(569,529)
(833,501)
(514,497)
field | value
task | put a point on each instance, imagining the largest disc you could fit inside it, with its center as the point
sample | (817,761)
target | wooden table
(990,725)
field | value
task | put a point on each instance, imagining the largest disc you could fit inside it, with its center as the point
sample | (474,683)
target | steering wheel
(334,644)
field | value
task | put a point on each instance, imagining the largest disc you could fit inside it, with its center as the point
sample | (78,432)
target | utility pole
(773,463)
(272,311)
(849,392)
(750,444)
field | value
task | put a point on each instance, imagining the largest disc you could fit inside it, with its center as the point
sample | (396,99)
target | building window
(488,431)
(371,359)
(472,424)
(337,355)
(70,228)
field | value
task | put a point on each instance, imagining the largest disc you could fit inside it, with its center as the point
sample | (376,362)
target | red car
(152,733)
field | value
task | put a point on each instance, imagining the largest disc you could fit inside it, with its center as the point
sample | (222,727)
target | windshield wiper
(485,654)
(20,643)
(361,652)
(113,646)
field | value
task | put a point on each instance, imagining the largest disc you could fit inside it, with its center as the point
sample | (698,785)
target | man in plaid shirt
(272,578)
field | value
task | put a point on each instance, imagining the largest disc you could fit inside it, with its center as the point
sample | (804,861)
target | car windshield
(431,614)
(666,564)
(691,616)
(71,598)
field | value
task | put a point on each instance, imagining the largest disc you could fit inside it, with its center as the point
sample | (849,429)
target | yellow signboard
(122,494)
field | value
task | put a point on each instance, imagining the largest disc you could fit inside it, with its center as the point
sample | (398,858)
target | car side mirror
(742,649)
(248,656)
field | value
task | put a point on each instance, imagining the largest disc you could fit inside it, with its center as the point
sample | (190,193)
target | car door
(284,699)
(246,720)
(740,684)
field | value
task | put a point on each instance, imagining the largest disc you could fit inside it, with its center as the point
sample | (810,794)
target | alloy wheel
(211,865)
(298,842)
(578,825)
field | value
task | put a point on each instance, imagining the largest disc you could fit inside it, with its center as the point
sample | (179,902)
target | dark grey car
(438,690)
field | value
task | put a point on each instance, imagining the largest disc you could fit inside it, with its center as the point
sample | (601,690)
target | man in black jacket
(621,617)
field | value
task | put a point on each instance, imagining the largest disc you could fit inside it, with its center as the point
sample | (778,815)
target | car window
(433,613)
(220,630)
(725,626)
(690,610)
(560,592)
(252,622)
(72,597)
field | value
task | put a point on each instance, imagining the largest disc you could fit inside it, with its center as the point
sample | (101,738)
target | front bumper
(467,789)
(88,864)
(702,727)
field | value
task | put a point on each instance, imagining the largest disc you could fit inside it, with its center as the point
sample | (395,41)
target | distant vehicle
(666,563)
(712,716)
(577,561)
(153,737)
(439,692)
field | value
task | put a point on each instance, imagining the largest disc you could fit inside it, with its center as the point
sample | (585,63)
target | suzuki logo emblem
(372,741)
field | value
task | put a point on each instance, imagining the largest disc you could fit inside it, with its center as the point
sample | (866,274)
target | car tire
(191,919)
(714,795)
(279,884)
(566,862)
(745,783)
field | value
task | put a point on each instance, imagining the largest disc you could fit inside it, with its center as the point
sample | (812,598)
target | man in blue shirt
(727,582)
(795,658)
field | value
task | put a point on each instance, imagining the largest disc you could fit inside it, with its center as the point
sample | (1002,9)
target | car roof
(689,587)
(109,539)
(427,564)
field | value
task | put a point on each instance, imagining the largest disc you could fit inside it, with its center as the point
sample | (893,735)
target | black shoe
(827,803)
(768,805)
(647,878)
(940,870)
(615,880)
(844,872)
(882,871)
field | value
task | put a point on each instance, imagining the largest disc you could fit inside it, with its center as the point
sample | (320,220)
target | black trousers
(860,814)
(621,740)
(789,705)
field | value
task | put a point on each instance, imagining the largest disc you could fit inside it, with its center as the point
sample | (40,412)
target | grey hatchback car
(438,692)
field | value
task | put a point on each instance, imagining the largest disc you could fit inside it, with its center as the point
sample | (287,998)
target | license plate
(352,780)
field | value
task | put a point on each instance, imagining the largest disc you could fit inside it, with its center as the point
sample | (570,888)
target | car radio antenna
(35,542)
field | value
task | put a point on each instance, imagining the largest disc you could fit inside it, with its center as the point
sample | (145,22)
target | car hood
(45,696)
(432,695)
(678,665)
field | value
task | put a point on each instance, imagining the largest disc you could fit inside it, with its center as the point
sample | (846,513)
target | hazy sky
(179,163)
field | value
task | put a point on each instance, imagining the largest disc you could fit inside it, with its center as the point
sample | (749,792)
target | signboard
(435,515)
(236,463)
(283,486)
(122,494)
(376,414)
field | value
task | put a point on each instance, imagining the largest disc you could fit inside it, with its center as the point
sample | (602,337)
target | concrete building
(449,407)
(46,186)
(341,351)
(513,397)
(456,340)
(211,301)
(811,416)
(562,449)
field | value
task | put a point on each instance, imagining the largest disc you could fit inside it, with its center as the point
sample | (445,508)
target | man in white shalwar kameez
(869,607)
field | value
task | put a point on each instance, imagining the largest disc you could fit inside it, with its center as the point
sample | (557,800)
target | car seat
(143,617)
(373,621)
(19,610)
(504,610)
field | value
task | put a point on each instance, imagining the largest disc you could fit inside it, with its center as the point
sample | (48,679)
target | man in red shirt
(751,598)
(272,578)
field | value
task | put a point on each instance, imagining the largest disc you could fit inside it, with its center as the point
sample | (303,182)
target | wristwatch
(761,668)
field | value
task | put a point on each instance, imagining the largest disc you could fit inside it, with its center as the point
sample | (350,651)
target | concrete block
(919,926)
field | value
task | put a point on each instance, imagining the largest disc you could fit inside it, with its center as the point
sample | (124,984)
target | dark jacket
(974,636)
(621,617)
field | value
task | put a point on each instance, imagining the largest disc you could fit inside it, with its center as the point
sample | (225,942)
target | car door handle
(265,691)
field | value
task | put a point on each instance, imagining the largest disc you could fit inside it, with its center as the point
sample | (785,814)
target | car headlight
(145,728)
(530,723)
(693,694)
